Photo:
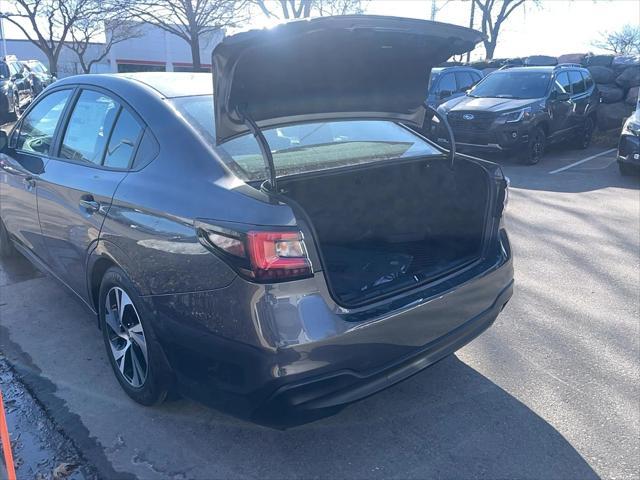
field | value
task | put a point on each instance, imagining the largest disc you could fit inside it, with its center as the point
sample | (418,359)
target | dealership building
(153,49)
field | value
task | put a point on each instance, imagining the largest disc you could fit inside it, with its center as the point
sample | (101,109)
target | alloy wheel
(126,337)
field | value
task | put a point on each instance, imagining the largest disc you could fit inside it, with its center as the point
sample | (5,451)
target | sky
(552,27)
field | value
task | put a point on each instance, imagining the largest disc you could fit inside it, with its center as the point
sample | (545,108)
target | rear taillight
(264,256)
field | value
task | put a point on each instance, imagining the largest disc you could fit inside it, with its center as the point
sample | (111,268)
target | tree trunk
(489,47)
(195,53)
(53,63)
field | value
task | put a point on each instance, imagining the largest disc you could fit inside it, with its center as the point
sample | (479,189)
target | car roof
(454,67)
(167,84)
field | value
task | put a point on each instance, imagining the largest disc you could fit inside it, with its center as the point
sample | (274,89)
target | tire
(583,138)
(534,150)
(6,245)
(147,379)
(625,170)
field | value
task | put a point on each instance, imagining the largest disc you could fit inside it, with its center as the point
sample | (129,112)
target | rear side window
(123,141)
(38,126)
(88,129)
(562,83)
(465,81)
(577,83)
(587,80)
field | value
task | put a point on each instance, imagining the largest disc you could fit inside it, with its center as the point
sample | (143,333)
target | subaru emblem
(468,116)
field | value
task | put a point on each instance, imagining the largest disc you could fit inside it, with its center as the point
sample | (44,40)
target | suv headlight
(516,115)
(631,127)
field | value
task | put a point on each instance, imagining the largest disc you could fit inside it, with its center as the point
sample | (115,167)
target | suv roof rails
(568,65)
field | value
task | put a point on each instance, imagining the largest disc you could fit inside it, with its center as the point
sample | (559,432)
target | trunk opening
(393,225)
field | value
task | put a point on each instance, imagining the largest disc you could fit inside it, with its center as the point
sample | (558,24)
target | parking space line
(579,162)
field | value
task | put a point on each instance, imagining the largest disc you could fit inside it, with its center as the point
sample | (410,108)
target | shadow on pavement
(582,178)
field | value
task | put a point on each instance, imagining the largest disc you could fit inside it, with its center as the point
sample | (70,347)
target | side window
(465,81)
(447,84)
(39,125)
(562,83)
(147,150)
(587,80)
(577,83)
(123,141)
(89,127)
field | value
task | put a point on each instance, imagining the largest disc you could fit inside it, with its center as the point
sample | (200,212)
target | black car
(19,77)
(524,109)
(281,241)
(39,77)
(629,144)
(446,83)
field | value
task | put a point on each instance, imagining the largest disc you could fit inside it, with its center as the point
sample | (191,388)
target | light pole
(4,40)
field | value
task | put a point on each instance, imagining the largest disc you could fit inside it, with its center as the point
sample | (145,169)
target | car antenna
(452,141)
(265,150)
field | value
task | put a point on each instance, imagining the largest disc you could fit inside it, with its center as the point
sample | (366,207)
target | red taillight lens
(260,255)
(277,255)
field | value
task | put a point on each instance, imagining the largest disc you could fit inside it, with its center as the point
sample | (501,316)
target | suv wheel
(6,246)
(535,148)
(586,133)
(134,353)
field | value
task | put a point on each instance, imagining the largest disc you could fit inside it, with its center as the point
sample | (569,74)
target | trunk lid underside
(357,66)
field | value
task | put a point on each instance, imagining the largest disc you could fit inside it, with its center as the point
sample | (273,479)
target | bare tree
(189,20)
(494,13)
(436,7)
(49,23)
(625,41)
(109,23)
(288,9)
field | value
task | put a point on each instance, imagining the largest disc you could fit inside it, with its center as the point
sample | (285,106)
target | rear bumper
(253,349)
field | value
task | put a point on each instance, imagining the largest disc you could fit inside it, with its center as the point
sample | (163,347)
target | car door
(446,87)
(21,166)
(21,80)
(580,98)
(93,153)
(560,105)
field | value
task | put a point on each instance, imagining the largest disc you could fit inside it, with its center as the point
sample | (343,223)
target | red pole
(6,443)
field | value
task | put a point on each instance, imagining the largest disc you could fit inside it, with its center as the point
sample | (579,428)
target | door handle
(89,204)
(29,182)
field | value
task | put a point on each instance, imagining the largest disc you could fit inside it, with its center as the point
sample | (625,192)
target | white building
(154,50)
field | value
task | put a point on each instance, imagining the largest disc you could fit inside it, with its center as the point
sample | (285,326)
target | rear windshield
(307,147)
(508,84)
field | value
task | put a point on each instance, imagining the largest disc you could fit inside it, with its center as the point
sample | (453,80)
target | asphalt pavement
(552,390)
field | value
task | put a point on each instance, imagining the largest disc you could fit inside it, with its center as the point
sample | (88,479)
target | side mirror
(18,76)
(445,93)
(562,96)
(4,140)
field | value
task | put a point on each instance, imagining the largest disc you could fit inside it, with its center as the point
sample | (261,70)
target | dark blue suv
(446,83)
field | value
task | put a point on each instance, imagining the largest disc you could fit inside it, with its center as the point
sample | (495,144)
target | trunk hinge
(452,141)
(265,150)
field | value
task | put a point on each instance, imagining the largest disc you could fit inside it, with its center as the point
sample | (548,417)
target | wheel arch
(104,256)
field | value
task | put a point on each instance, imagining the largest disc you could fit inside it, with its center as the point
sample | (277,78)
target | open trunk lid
(360,66)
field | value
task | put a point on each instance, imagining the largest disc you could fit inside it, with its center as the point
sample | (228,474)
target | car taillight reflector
(277,255)
(260,255)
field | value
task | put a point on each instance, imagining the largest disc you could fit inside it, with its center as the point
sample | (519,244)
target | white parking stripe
(579,162)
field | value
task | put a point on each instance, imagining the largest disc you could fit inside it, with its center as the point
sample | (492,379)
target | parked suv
(20,89)
(446,83)
(629,144)
(524,109)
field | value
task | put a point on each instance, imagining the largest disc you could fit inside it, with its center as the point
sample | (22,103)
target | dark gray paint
(220,332)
